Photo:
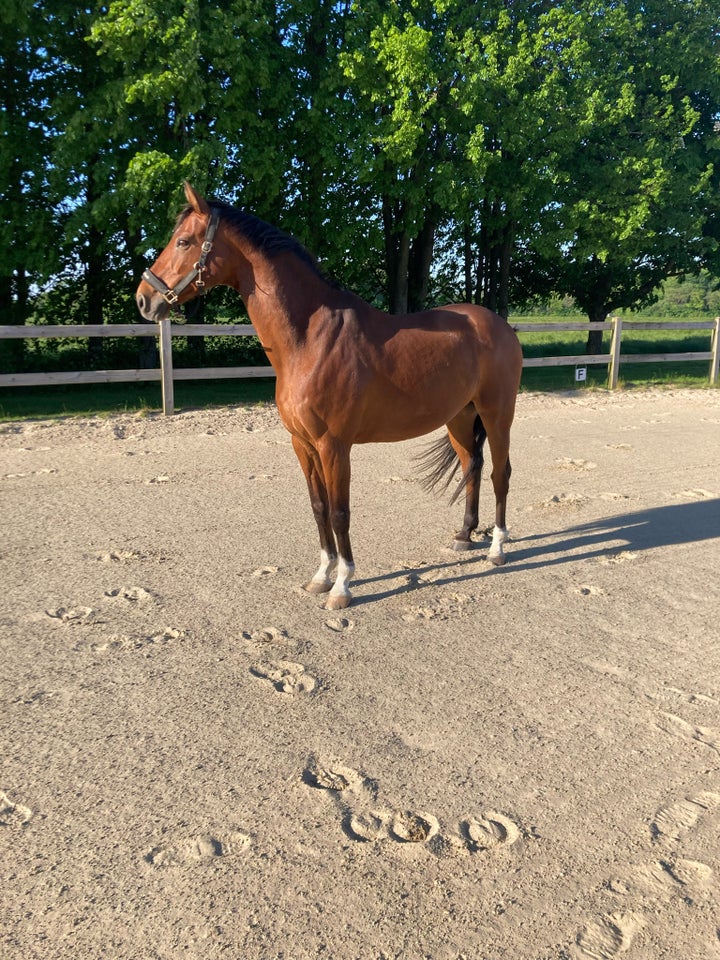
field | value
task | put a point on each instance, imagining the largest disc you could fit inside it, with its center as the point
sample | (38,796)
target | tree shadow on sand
(638,531)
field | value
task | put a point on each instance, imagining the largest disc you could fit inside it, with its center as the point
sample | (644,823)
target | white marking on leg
(322,581)
(496,554)
(340,595)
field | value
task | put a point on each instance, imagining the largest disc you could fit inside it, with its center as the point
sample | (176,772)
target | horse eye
(182,242)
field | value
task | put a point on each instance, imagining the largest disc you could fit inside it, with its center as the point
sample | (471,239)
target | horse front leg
(309,459)
(335,457)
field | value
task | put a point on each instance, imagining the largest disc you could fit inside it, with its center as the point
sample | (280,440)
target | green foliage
(630,204)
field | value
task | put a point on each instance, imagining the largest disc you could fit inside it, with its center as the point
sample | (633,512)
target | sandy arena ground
(199,761)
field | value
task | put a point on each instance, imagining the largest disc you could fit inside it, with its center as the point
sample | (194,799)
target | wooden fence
(615,357)
(166,330)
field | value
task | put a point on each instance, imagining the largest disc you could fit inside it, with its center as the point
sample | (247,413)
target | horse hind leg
(467,436)
(499,441)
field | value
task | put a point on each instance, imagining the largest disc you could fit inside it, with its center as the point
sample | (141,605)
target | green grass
(20,403)
(632,376)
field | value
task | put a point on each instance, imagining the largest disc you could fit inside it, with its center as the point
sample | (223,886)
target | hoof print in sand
(132,556)
(617,557)
(587,590)
(671,823)
(123,642)
(13,814)
(71,615)
(571,463)
(607,937)
(202,849)
(266,637)
(272,645)
(440,608)
(364,820)
(409,827)
(263,572)
(285,676)
(120,556)
(402,826)
(669,723)
(367,826)
(489,831)
(573,500)
(329,775)
(662,880)
(131,594)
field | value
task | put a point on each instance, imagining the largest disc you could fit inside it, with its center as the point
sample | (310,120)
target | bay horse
(348,373)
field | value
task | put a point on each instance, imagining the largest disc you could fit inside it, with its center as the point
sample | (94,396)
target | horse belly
(423,399)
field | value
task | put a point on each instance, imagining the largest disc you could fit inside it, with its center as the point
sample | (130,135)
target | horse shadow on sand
(636,532)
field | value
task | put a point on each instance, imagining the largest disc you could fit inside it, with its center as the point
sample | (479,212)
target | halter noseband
(171,296)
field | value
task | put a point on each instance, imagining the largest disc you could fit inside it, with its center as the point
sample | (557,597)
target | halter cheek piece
(171,296)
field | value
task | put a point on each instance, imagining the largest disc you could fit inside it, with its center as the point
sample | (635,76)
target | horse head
(182,270)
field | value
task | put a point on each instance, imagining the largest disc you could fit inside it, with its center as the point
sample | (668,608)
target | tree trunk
(492,282)
(481,275)
(505,256)
(312,169)
(397,259)
(419,265)
(596,314)
(468,262)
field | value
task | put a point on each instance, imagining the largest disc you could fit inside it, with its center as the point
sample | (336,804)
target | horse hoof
(461,545)
(316,587)
(338,602)
(498,560)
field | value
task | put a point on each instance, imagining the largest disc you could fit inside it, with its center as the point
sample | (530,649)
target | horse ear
(195,200)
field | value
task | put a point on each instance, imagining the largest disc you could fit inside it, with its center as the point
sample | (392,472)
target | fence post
(166,367)
(614,364)
(715,362)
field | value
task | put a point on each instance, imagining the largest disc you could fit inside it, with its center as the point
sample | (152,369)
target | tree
(501,151)
(514,96)
(26,232)
(403,68)
(633,196)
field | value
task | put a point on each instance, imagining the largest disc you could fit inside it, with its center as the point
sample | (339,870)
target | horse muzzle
(152,306)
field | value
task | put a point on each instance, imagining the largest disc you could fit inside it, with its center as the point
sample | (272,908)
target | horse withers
(348,373)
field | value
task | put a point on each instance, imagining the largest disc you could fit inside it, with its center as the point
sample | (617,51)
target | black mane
(263,236)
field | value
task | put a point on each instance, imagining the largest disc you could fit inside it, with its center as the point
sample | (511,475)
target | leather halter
(172,295)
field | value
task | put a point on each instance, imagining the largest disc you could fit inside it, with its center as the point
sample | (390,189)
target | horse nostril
(142,302)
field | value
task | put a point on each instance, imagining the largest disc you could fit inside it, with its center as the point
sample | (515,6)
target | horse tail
(441,462)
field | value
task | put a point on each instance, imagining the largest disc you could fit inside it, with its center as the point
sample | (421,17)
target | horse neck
(281,294)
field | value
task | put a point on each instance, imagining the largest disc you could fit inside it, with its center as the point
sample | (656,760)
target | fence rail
(167,374)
